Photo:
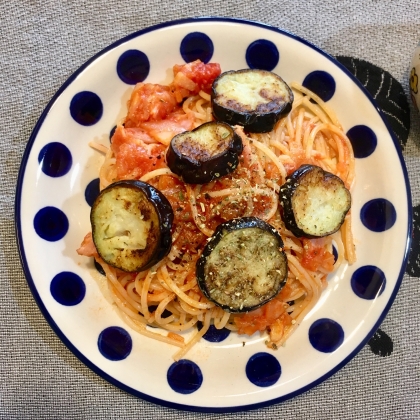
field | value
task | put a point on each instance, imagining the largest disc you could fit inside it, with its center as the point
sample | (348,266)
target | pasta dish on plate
(305,143)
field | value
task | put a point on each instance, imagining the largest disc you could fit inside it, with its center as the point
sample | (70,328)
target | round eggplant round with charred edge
(131,225)
(254,99)
(243,266)
(315,202)
(208,152)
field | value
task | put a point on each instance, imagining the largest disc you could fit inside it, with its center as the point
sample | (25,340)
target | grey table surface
(41,44)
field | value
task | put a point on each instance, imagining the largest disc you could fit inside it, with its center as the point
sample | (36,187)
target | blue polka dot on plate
(196,46)
(378,215)
(67,288)
(92,191)
(326,335)
(184,377)
(86,108)
(263,369)
(51,224)
(55,159)
(213,334)
(115,343)
(133,67)
(262,54)
(368,282)
(363,140)
(335,254)
(321,83)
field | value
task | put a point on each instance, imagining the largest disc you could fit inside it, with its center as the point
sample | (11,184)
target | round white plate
(52,217)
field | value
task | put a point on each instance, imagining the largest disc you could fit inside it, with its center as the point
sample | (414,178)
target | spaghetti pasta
(167,295)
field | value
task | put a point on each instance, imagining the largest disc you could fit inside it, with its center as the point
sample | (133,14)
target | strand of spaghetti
(158,172)
(299,123)
(273,185)
(349,148)
(98,147)
(311,139)
(205,95)
(162,281)
(240,192)
(317,110)
(302,275)
(306,135)
(296,294)
(200,109)
(181,325)
(174,253)
(107,172)
(188,286)
(251,159)
(279,146)
(249,207)
(300,305)
(156,336)
(290,128)
(189,309)
(131,290)
(290,245)
(209,114)
(280,126)
(221,321)
(186,104)
(319,101)
(181,294)
(144,294)
(200,225)
(346,231)
(157,297)
(112,278)
(161,307)
(269,213)
(173,266)
(138,285)
(319,146)
(297,101)
(125,279)
(305,306)
(187,268)
(176,337)
(196,338)
(289,330)
(125,307)
(269,153)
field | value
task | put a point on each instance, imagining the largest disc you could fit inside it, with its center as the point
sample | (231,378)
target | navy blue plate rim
(50,319)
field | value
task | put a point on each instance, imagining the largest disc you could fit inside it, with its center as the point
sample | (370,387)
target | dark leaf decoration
(413,265)
(381,344)
(387,92)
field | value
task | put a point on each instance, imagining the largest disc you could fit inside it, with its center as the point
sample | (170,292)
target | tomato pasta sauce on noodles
(167,295)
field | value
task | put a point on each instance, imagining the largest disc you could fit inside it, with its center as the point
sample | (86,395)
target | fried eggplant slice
(315,202)
(243,266)
(131,225)
(254,99)
(208,152)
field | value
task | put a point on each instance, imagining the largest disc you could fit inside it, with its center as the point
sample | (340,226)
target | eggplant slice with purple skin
(243,266)
(254,99)
(206,153)
(131,225)
(315,202)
